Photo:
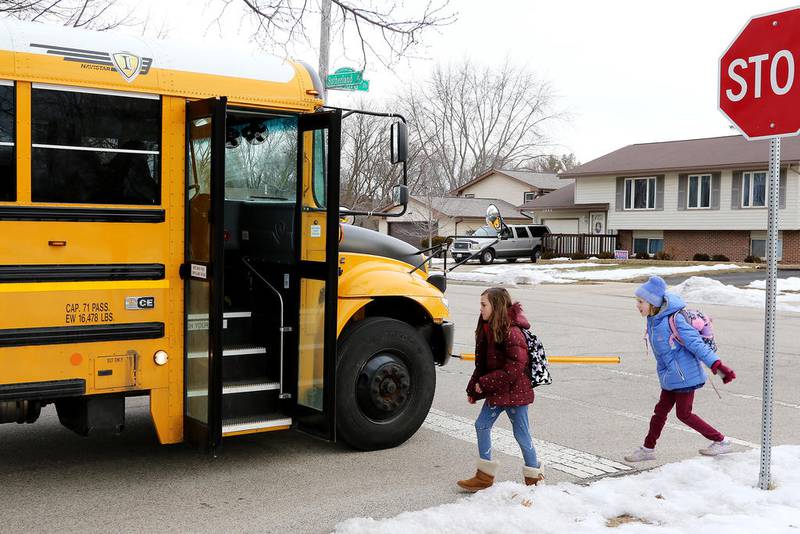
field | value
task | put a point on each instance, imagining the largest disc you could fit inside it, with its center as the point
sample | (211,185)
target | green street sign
(344,77)
(363,86)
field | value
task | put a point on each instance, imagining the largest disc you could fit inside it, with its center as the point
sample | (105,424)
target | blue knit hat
(653,291)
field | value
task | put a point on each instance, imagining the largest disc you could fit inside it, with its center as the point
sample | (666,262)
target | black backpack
(537,360)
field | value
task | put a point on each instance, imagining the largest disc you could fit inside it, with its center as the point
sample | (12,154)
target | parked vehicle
(525,241)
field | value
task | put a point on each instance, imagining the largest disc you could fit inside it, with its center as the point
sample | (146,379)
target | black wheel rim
(383,387)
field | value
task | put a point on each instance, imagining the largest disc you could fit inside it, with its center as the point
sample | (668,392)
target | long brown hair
(499,323)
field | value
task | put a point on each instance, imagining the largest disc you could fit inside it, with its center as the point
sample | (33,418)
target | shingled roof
(687,155)
(539,180)
(469,207)
(561,199)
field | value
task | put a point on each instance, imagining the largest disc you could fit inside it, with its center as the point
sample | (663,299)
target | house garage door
(411,232)
(562,226)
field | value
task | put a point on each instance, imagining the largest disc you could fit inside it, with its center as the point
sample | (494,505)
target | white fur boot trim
(488,466)
(533,472)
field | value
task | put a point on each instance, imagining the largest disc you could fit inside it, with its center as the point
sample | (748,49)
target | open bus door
(203,272)
(317,243)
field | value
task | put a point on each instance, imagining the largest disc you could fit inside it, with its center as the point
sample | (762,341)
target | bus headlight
(161,357)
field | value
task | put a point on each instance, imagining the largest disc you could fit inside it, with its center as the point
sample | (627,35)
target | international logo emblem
(127,64)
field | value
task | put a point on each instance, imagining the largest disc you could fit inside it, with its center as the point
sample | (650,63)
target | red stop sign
(759,87)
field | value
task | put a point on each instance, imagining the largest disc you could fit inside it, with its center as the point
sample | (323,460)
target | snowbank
(784,284)
(693,496)
(707,291)
(566,273)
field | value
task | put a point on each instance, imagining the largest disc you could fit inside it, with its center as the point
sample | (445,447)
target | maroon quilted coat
(501,368)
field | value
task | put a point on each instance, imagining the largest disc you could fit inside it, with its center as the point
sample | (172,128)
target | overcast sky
(628,71)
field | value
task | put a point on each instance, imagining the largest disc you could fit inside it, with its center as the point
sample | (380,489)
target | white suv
(525,241)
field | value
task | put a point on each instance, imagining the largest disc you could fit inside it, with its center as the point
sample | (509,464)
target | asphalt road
(53,480)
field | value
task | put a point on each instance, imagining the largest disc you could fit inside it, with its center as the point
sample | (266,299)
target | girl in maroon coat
(501,377)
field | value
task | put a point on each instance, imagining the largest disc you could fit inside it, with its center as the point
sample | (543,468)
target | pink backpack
(699,321)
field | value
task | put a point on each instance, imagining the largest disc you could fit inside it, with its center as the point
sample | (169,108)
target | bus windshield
(260,157)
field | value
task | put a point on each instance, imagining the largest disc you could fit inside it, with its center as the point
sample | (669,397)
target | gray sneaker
(641,454)
(718,447)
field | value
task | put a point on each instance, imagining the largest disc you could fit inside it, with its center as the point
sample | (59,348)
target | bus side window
(95,148)
(8,178)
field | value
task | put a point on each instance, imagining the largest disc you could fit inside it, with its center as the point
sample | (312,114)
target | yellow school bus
(169,227)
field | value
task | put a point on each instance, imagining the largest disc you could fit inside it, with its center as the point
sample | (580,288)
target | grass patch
(623,519)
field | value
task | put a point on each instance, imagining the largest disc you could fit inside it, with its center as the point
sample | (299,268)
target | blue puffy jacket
(678,366)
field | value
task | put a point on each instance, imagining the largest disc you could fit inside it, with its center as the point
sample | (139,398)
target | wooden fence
(589,244)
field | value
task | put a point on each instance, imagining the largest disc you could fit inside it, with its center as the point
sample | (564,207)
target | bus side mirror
(400,195)
(495,220)
(399,142)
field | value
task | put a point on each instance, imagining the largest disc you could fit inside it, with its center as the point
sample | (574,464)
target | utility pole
(324,43)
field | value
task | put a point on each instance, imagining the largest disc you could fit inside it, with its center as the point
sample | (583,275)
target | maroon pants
(683,403)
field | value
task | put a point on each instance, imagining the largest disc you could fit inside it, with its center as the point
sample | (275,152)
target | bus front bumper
(445,334)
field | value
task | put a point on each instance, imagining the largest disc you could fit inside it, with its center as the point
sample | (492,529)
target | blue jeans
(518,415)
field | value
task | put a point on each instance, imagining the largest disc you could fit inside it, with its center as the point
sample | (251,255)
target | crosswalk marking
(571,461)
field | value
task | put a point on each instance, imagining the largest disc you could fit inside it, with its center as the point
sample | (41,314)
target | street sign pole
(769,321)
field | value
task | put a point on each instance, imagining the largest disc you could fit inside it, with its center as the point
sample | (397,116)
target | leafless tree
(467,119)
(93,14)
(379,29)
(367,175)
(555,163)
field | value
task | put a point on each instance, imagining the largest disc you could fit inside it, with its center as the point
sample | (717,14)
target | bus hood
(363,241)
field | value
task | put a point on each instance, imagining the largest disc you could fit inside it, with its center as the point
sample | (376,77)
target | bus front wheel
(385,380)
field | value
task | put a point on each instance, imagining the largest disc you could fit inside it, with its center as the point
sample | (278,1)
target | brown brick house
(694,196)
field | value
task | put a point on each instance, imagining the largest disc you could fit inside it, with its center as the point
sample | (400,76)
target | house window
(754,189)
(758,245)
(648,245)
(640,193)
(530,196)
(699,191)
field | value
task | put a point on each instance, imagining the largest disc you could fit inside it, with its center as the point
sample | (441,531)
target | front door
(202,270)
(317,242)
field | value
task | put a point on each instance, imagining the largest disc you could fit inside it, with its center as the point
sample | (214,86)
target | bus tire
(385,381)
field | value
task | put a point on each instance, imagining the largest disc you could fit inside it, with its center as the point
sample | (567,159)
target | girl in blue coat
(678,363)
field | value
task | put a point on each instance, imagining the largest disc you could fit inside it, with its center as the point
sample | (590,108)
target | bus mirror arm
(446,245)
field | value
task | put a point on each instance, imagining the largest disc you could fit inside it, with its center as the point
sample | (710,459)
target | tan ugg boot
(484,477)
(533,475)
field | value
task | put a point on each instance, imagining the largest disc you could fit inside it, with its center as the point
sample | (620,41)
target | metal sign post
(764,107)
(773,191)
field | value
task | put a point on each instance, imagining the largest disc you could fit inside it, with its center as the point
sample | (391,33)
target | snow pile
(567,273)
(707,291)
(698,495)
(626,274)
(530,274)
(784,284)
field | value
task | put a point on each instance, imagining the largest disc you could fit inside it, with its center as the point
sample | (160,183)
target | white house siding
(580,215)
(603,189)
(499,186)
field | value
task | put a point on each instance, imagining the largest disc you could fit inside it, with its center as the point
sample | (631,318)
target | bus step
(237,315)
(236,350)
(236,426)
(249,386)
(243,350)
